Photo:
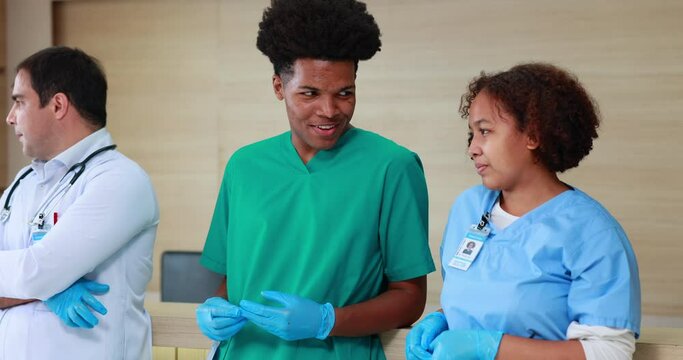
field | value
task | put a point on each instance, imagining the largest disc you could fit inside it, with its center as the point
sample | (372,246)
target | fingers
(420,353)
(426,338)
(225,332)
(95,287)
(94,304)
(231,312)
(216,301)
(220,328)
(81,316)
(254,309)
(277,296)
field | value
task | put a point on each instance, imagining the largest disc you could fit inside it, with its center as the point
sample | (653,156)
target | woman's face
(502,155)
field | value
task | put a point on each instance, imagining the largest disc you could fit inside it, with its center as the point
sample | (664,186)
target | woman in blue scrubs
(552,274)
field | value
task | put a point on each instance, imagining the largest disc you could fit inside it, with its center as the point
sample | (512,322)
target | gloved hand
(420,337)
(467,345)
(71,305)
(218,319)
(298,318)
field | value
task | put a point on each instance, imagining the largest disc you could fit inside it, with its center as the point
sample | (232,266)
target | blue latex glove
(71,305)
(420,337)
(218,319)
(298,318)
(467,345)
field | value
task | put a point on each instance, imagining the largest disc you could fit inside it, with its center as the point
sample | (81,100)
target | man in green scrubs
(322,230)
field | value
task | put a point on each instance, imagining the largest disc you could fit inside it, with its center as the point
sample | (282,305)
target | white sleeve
(116,204)
(603,343)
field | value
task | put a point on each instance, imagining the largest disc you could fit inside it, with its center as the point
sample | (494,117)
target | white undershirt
(599,342)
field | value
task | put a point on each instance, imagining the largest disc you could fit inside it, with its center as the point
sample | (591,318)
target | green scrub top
(334,230)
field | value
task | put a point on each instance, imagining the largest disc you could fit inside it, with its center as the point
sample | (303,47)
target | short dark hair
(317,29)
(71,71)
(549,104)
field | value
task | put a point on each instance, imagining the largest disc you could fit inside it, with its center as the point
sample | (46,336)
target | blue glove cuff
(437,314)
(327,322)
(488,343)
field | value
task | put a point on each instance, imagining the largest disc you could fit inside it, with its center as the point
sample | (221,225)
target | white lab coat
(105,232)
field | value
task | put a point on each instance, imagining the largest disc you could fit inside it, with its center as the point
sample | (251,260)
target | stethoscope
(58,190)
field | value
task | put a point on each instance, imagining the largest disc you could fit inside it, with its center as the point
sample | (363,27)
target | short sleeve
(605,288)
(404,220)
(214,254)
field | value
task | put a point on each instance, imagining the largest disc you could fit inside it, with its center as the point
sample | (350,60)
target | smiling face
(33,124)
(502,155)
(320,99)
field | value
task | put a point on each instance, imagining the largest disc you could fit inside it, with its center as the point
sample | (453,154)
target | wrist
(328,320)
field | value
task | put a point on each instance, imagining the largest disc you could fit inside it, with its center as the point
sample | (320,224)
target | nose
(473,148)
(11,119)
(328,107)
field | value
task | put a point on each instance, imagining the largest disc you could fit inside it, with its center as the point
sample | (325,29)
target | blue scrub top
(567,260)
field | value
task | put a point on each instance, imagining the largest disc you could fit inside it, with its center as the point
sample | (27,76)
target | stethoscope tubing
(79,169)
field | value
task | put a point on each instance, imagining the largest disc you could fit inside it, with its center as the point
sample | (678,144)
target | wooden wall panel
(188,87)
(4,177)
(162,65)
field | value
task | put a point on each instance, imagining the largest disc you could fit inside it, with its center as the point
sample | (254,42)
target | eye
(345,93)
(484,132)
(308,93)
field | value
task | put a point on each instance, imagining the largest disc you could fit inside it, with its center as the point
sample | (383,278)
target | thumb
(279,297)
(96,288)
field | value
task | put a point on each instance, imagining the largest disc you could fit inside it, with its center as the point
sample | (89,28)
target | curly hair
(318,29)
(549,104)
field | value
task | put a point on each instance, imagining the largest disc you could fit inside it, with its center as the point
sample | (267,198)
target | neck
(523,199)
(70,138)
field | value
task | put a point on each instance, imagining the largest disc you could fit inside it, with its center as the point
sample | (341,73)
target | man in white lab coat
(78,224)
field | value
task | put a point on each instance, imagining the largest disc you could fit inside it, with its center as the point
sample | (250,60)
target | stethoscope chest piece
(4,215)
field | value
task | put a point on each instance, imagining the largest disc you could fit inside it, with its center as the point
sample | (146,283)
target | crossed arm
(6,303)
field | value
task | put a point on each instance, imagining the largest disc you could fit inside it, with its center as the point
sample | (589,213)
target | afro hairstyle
(318,29)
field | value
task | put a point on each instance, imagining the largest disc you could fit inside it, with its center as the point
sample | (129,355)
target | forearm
(513,348)
(222,290)
(6,303)
(400,305)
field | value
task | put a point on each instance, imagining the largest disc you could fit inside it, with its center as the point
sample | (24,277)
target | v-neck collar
(321,159)
(547,208)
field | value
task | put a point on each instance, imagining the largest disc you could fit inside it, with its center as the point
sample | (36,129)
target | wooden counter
(175,336)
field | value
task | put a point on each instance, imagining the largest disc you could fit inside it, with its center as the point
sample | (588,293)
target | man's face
(32,124)
(320,98)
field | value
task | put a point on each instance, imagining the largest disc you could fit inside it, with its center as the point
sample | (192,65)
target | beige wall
(3,95)
(188,87)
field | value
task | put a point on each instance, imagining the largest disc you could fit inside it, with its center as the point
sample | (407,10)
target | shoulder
(379,148)
(584,225)
(475,197)
(261,150)
(581,208)
(118,170)
(260,147)
(117,162)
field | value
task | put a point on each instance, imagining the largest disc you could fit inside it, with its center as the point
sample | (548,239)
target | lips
(480,167)
(324,129)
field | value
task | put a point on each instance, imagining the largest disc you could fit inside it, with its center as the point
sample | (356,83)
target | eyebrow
(312,88)
(17,96)
(479,121)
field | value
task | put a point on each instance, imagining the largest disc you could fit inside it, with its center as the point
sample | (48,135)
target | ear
(59,105)
(531,142)
(278,87)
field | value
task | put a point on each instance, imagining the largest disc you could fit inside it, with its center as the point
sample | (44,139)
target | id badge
(38,234)
(469,248)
